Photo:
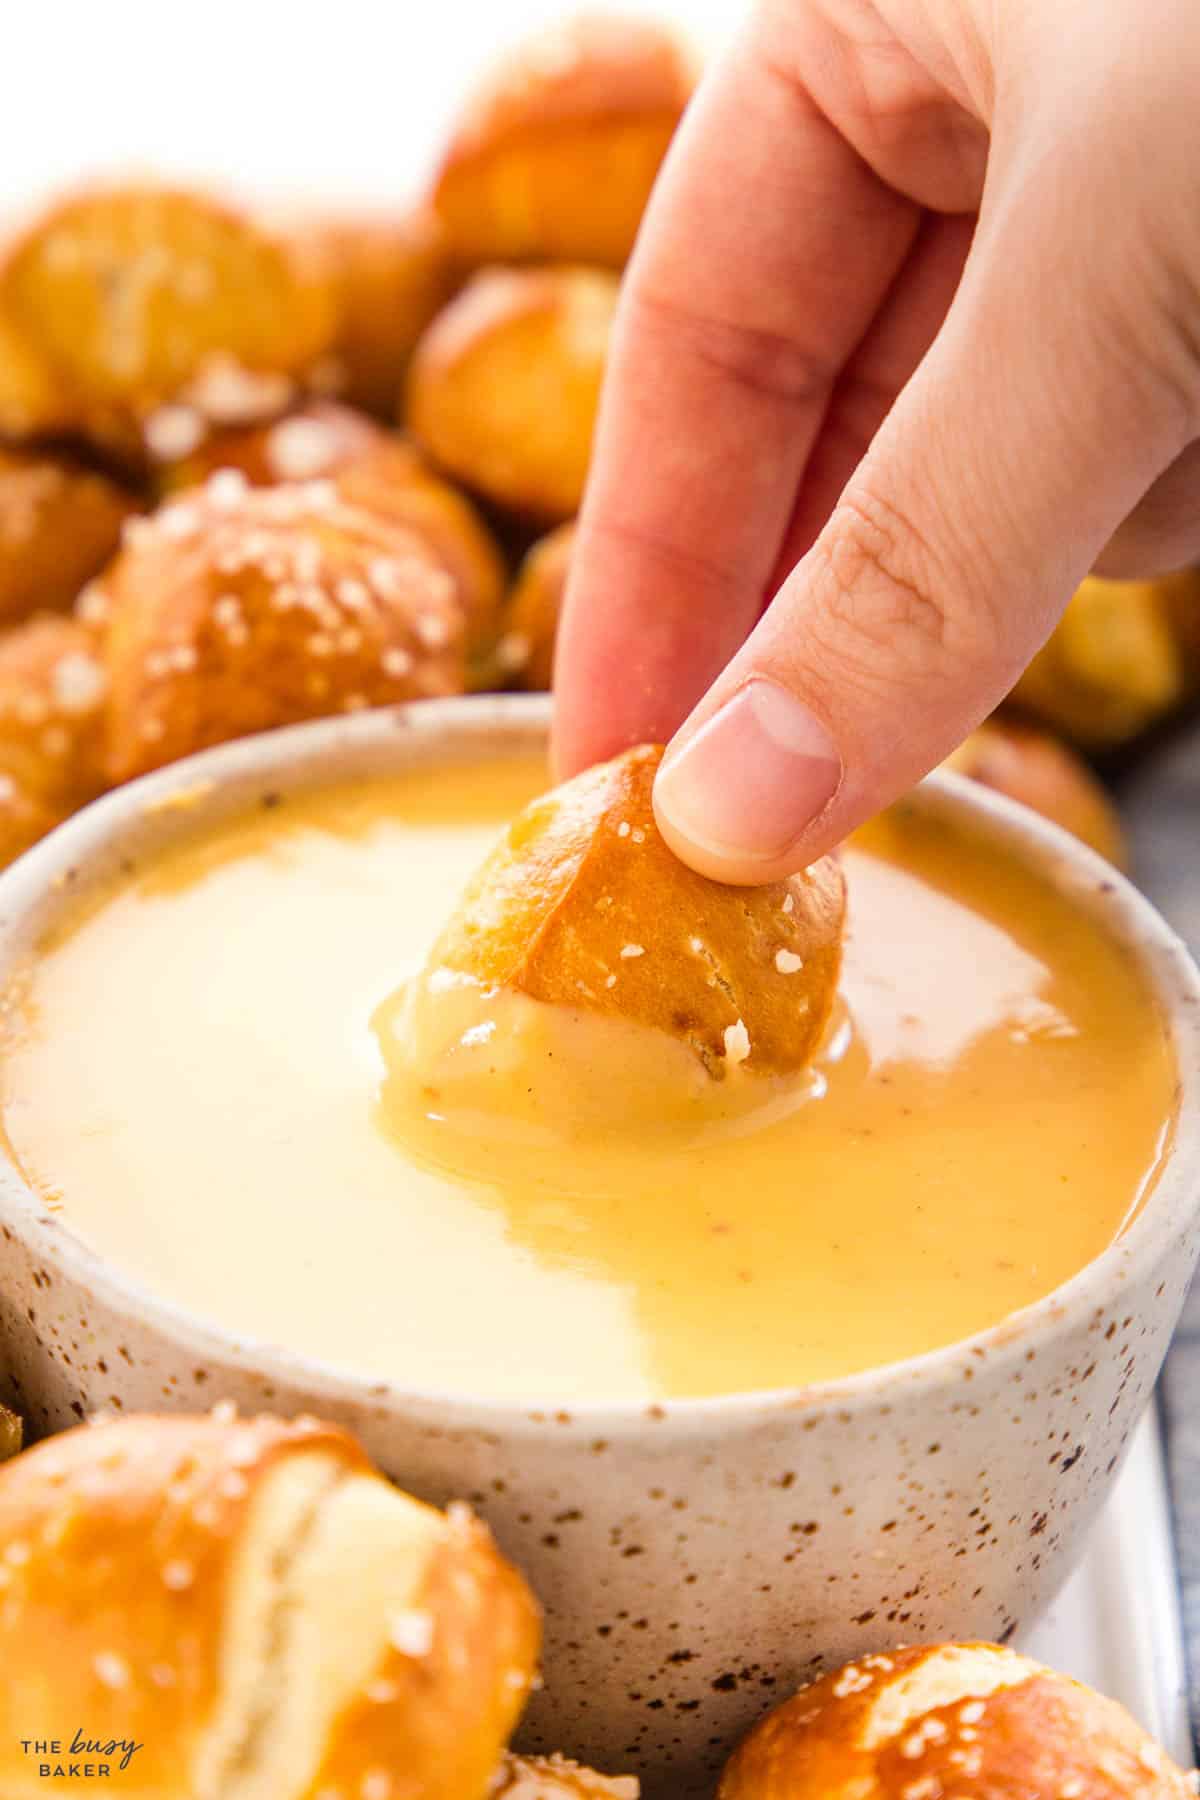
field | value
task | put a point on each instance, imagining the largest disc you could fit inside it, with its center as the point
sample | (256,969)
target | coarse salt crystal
(79,681)
(432,629)
(787,962)
(513,650)
(111,1670)
(628,950)
(225,488)
(411,1633)
(300,449)
(174,431)
(737,1043)
(352,593)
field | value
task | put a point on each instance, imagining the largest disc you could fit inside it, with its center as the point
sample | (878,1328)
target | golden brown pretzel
(1040,771)
(372,469)
(504,386)
(59,524)
(308,442)
(1114,665)
(583,906)
(114,299)
(11,1433)
(257,1610)
(391,275)
(965,1720)
(53,686)
(531,623)
(557,152)
(393,480)
(236,609)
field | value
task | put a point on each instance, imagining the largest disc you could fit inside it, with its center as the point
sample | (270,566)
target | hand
(911,335)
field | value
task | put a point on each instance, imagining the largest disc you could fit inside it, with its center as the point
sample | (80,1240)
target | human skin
(909,343)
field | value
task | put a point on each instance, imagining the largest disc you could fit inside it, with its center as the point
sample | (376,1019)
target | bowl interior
(121,832)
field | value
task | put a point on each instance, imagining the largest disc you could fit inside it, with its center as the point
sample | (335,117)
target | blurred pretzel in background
(420,388)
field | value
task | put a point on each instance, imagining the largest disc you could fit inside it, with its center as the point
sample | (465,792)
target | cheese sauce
(204,1080)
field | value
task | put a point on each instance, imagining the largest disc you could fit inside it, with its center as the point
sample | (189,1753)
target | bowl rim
(315,754)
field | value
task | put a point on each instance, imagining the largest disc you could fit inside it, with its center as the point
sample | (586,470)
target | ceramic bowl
(701,1558)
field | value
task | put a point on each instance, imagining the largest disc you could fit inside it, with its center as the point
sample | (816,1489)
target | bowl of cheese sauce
(852,1362)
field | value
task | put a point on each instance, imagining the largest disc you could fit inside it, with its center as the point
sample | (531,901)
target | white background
(334,100)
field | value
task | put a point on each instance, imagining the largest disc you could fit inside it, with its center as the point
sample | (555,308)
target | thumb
(1053,396)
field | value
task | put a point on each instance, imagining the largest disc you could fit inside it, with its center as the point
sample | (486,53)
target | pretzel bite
(307,443)
(391,275)
(504,386)
(1113,665)
(1183,609)
(372,469)
(966,1720)
(394,481)
(258,1611)
(531,623)
(554,1778)
(117,297)
(556,155)
(52,690)
(237,609)
(11,1432)
(59,524)
(32,403)
(583,907)
(1038,770)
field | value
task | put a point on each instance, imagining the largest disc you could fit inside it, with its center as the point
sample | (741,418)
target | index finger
(768,247)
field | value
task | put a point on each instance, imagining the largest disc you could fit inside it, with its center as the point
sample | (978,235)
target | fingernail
(752,779)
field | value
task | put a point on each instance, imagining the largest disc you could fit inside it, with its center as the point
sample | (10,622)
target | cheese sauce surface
(198,1081)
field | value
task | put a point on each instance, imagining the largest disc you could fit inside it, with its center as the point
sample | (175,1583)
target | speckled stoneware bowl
(697,1559)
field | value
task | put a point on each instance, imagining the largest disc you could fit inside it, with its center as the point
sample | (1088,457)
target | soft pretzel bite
(316,439)
(583,906)
(531,622)
(372,469)
(392,480)
(118,296)
(1039,770)
(504,386)
(25,818)
(556,1778)
(237,609)
(32,402)
(258,1610)
(52,690)
(1113,665)
(391,276)
(59,524)
(970,1720)
(1183,610)
(557,153)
